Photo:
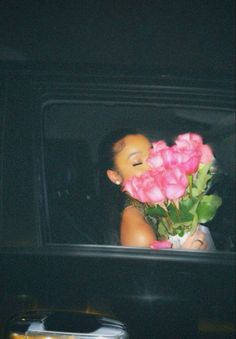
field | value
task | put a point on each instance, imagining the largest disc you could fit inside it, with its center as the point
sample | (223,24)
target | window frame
(84,92)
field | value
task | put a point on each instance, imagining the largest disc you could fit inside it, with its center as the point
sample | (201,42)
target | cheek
(139,171)
(125,172)
(133,171)
(142,168)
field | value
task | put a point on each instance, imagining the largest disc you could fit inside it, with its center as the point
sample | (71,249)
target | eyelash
(137,164)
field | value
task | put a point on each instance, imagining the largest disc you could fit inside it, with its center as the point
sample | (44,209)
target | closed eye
(138,163)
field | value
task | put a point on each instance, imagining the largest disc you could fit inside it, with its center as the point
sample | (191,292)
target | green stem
(190,180)
(169,224)
(176,208)
(168,221)
(202,177)
(165,224)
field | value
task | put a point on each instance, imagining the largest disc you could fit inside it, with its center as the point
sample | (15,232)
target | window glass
(72,133)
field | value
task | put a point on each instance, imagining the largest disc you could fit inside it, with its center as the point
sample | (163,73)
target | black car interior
(53,256)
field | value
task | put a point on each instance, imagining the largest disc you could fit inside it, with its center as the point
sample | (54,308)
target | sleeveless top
(129,201)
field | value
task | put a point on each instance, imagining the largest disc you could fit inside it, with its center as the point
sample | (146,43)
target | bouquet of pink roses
(175,191)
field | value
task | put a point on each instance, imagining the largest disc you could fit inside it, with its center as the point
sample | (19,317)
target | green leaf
(181,215)
(180,231)
(195,223)
(186,205)
(203,176)
(207,207)
(155,211)
(195,192)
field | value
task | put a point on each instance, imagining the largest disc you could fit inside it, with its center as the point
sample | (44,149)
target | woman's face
(131,154)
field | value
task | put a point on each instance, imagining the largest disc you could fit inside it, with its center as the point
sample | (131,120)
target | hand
(197,241)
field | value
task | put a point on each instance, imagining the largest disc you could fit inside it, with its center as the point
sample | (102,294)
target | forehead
(131,143)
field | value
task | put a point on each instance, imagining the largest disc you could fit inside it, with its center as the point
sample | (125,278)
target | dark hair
(111,198)
(106,148)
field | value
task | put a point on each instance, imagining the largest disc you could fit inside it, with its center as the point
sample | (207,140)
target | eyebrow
(134,153)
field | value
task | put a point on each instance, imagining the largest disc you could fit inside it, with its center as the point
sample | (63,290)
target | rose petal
(160,244)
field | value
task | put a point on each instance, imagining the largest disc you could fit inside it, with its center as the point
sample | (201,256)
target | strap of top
(129,201)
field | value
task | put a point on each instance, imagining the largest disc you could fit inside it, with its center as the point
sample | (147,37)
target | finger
(197,244)
(204,246)
(199,240)
(196,241)
(197,235)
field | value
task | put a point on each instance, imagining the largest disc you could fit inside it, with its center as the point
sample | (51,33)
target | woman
(123,154)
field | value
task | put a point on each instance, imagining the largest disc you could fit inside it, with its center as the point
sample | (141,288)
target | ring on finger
(201,242)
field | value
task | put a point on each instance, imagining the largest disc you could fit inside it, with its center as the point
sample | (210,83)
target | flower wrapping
(175,191)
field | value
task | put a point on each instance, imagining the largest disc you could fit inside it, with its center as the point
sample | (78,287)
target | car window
(72,132)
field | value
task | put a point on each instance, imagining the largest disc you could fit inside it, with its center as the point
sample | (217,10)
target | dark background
(180,35)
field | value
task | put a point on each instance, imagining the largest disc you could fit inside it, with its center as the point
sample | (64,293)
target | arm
(134,230)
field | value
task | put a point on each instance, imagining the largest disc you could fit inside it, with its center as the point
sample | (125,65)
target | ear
(114,177)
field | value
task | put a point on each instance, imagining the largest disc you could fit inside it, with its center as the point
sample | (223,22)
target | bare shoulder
(134,230)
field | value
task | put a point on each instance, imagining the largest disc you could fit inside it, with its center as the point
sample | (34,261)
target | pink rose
(151,187)
(132,186)
(155,186)
(194,142)
(189,140)
(162,156)
(155,158)
(183,156)
(173,183)
(145,188)
(169,158)
(159,145)
(207,154)
(187,159)
(170,166)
